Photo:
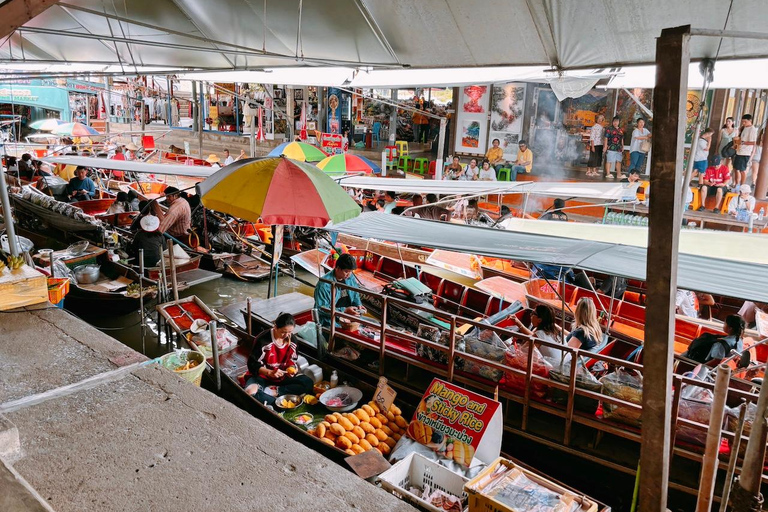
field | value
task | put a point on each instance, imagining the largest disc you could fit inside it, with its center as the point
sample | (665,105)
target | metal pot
(87,274)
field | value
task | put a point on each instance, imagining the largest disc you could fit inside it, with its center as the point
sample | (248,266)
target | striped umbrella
(277,191)
(46,125)
(348,164)
(75,130)
(300,151)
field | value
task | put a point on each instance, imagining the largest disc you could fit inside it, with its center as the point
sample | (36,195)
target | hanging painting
(475,99)
(507,108)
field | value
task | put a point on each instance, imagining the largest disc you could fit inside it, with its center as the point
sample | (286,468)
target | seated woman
(120,205)
(544,328)
(272,364)
(734,331)
(586,333)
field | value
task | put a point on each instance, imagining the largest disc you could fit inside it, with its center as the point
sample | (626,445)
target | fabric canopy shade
(277,191)
(300,151)
(348,164)
(699,273)
(75,130)
(46,125)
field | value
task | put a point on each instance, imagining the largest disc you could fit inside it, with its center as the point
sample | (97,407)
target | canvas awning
(191,171)
(600,191)
(746,281)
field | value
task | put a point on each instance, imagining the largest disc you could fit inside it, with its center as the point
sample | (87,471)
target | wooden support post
(669,97)
(761,188)
(709,465)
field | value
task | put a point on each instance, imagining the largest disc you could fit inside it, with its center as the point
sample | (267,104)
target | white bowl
(354,395)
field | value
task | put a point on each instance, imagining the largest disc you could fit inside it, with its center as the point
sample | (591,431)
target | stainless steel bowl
(87,274)
(293,398)
(78,248)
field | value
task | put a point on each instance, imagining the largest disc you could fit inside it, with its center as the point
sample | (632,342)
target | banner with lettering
(457,424)
(331,143)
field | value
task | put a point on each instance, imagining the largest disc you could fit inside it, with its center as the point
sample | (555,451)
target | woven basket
(195,375)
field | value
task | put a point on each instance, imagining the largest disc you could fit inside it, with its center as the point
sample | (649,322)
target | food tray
(478,502)
(417,471)
(181,313)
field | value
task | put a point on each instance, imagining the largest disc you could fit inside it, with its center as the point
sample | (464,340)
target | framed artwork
(472,119)
(298,94)
(475,99)
(507,141)
(507,108)
(471,130)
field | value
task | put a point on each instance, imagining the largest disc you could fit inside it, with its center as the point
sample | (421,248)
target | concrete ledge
(10,448)
(16,495)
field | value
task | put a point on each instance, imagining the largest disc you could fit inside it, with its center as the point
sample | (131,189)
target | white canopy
(601,191)
(747,248)
(191,171)
(242,34)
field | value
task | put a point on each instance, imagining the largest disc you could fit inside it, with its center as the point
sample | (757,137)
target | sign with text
(457,424)
(331,143)
(385,395)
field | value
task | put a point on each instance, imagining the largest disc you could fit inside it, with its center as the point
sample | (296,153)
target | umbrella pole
(272,266)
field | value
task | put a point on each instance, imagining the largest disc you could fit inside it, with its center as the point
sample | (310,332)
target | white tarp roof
(235,34)
(747,281)
(601,191)
(191,171)
(744,247)
(749,74)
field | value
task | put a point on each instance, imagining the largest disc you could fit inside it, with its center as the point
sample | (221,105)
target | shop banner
(457,424)
(331,143)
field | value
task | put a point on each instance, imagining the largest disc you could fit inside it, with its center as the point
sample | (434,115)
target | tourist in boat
(687,303)
(487,173)
(273,364)
(636,153)
(133,201)
(715,181)
(120,205)
(434,211)
(495,155)
(81,187)
(178,219)
(130,151)
(454,169)
(416,209)
(524,161)
(543,327)
(214,160)
(347,301)
(390,201)
(586,333)
(380,205)
(711,348)
(749,311)
(742,206)
(26,170)
(228,158)
(149,239)
(555,212)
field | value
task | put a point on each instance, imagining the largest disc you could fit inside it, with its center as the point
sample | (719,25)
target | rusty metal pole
(669,98)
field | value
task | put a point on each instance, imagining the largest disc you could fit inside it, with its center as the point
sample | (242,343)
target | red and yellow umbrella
(348,164)
(300,151)
(277,191)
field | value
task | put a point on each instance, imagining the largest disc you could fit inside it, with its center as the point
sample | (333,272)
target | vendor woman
(347,301)
(272,364)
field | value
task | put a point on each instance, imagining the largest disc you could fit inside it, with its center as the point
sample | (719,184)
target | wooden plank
(669,101)
(195,277)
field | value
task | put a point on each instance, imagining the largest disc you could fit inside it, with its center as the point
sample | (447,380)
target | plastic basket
(195,375)
(418,471)
(58,287)
(478,502)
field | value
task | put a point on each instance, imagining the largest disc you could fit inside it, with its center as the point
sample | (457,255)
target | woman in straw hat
(214,160)
(149,239)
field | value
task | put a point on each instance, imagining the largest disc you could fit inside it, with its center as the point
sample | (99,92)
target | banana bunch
(2,266)
(15,262)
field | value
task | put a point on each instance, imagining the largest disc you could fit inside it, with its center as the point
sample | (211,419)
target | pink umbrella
(303,133)
(260,131)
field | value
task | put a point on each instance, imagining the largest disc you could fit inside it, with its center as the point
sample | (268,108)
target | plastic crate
(418,471)
(478,502)
(58,288)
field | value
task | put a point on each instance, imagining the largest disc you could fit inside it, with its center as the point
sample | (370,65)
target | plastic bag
(516,357)
(584,380)
(627,386)
(518,492)
(488,345)
(436,335)
(308,333)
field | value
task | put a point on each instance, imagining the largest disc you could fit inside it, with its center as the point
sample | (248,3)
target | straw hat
(131,147)
(213,159)
(149,223)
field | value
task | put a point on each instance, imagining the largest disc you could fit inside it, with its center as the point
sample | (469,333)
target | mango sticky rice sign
(457,424)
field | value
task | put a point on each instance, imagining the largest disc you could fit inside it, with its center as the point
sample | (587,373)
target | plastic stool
(402,147)
(727,200)
(391,154)
(405,163)
(420,165)
(697,201)
(503,174)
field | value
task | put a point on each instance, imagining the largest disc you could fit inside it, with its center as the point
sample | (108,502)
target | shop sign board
(457,424)
(331,143)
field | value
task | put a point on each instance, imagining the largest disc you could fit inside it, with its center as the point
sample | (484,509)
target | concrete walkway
(98,431)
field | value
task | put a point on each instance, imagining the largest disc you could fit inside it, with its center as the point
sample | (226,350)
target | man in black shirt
(556,212)
(150,240)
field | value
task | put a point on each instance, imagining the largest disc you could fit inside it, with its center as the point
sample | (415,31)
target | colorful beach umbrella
(277,191)
(46,125)
(348,164)
(300,151)
(75,130)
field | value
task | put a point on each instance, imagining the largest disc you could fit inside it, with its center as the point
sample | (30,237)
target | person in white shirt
(227,158)
(746,142)
(596,147)
(471,171)
(742,206)
(702,153)
(636,154)
(685,300)
(755,162)
(487,173)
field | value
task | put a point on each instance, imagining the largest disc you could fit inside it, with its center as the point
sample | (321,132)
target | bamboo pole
(249,321)
(141,298)
(215,350)
(172,261)
(709,464)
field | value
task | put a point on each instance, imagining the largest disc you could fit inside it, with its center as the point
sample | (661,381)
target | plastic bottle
(761,214)
(334,379)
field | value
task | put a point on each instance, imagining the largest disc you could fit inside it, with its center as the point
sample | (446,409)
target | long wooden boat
(147,190)
(37,211)
(242,266)
(98,209)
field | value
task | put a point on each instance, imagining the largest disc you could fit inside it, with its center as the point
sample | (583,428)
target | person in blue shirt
(81,187)
(733,340)
(347,301)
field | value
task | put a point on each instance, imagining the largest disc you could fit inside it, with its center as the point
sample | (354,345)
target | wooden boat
(98,208)
(153,273)
(183,159)
(108,295)
(242,266)
(37,211)
(147,190)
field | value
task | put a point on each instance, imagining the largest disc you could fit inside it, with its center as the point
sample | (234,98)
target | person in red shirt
(273,364)
(715,180)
